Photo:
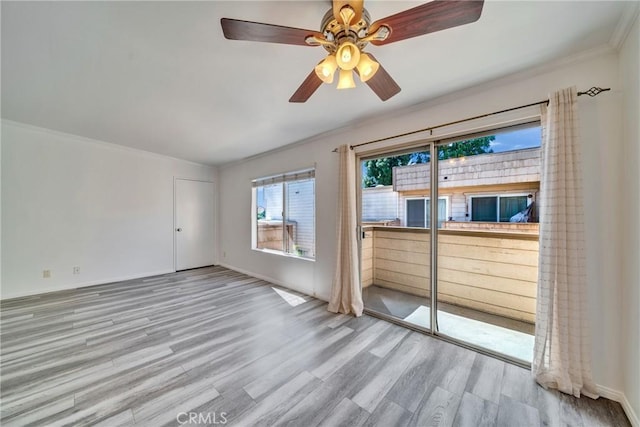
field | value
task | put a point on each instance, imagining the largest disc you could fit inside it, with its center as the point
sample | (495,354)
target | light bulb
(346,54)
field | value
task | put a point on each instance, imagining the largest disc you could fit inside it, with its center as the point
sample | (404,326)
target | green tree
(470,147)
(380,171)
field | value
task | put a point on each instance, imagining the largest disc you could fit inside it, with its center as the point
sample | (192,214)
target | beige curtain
(562,351)
(346,295)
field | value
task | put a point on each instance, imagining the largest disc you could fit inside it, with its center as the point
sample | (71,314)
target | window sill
(283,254)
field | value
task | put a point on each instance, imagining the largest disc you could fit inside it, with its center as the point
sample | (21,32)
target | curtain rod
(591,92)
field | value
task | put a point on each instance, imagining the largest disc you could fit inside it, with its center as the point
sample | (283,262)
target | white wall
(68,201)
(630,80)
(602,139)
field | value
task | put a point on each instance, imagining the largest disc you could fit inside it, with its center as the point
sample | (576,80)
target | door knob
(178,229)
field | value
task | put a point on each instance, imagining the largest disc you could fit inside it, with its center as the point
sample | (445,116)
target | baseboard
(268,279)
(631,414)
(253,274)
(42,291)
(620,397)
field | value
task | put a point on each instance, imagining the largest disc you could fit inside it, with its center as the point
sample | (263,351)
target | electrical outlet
(224,254)
(76,270)
(46,274)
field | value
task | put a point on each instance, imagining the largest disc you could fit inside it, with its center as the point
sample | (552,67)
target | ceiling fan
(346,29)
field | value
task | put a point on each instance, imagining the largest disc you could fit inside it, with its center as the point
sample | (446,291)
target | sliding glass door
(480,259)
(396,243)
(488,245)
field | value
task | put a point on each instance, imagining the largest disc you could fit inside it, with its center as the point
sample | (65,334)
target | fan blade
(235,29)
(307,88)
(428,18)
(382,83)
(356,5)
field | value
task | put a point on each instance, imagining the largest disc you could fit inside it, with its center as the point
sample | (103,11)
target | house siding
(485,169)
(379,203)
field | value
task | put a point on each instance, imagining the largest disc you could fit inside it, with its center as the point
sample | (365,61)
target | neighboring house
(379,204)
(484,190)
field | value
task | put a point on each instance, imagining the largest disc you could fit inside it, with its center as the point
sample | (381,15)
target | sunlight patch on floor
(291,299)
(512,343)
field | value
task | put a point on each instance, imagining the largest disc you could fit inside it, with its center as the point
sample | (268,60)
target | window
(419,213)
(416,213)
(284,214)
(509,206)
(497,208)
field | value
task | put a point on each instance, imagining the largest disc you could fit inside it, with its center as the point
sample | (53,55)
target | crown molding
(628,18)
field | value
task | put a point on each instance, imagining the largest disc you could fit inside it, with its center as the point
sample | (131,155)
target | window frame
(497,196)
(282,179)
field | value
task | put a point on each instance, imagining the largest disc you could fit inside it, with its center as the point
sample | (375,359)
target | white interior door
(194,224)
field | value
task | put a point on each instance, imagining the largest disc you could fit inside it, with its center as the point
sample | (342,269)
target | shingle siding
(486,169)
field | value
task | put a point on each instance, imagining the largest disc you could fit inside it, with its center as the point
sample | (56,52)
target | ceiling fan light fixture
(348,56)
(346,29)
(346,80)
(326,69)
(367,67)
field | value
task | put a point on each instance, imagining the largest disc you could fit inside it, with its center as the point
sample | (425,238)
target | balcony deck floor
(510,337)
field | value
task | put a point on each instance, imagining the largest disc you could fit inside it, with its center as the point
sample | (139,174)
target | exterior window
(496,208)
(284,215)
(419,212)
(416,213)
(509,206)
(484,209)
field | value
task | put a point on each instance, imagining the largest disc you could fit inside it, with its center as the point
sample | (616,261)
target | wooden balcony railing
(483,270)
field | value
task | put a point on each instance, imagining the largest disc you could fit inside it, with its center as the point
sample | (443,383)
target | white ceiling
(160,76)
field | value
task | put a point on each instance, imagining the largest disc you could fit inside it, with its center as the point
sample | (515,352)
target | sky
(517,140)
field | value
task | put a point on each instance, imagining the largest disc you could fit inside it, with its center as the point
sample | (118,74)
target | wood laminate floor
(213,346)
